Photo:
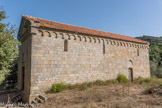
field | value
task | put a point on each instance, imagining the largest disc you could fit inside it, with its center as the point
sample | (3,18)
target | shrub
(152,81)
(58,87)
(122,78)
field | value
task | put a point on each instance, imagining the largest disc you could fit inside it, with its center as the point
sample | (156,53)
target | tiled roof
(82,30)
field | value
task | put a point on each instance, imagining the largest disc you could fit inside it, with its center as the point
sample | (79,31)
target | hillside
(151,39)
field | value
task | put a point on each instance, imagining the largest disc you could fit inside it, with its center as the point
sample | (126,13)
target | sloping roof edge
(82,30)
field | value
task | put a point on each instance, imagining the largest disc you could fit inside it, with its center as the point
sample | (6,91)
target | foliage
(8,49)
(151,39)
(2,16)
(122,78)
(10,81)
(58,87)
(155,53)
(152,81)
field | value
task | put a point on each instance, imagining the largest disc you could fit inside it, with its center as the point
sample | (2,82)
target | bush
(122,78)
(58,87)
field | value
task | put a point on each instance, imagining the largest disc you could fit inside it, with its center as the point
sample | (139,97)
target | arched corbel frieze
(114,43)
(55,34)
(98,40)
(85,39)
(90,40)
(69,37)
(123,43)
(103,41)
(107,41)
(94,40)
(47,33)
(111,42)
(138,46)
(120,44)
(117,43)
(127,44)
(135,45)
(66,36)
(132,45)
(62,35)
(74,37)
(79,37)
(41,32)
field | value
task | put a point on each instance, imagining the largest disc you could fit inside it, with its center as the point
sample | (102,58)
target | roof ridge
(72,25)
(83,30)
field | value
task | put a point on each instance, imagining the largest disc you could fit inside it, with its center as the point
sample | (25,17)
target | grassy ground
(107,94)
(142,93)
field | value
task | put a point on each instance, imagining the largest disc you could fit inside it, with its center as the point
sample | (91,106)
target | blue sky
(127,17)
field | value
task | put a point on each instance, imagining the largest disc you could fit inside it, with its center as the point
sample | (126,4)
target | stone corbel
(74,37)
(62,35)
(69,37)
(94,40)
(55,34)
(80,39)
(41,32)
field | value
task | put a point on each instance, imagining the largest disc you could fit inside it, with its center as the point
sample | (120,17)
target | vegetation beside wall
(120,80)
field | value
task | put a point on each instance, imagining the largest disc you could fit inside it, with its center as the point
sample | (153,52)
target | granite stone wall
(84,61)
(88,58)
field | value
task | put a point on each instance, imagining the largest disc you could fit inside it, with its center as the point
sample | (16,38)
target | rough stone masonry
(53,52)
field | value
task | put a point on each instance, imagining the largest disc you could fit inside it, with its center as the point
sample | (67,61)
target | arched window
(103,48)
(66,45)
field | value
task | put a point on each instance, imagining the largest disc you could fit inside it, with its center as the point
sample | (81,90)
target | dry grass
(109,95)
(106,94)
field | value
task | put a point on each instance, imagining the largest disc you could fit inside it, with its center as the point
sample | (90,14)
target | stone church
(53,52)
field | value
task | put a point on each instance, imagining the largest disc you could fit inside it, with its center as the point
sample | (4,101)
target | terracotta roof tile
(82,30)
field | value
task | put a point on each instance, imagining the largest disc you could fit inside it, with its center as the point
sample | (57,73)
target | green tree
(159,71)
(153,68)
(8,47)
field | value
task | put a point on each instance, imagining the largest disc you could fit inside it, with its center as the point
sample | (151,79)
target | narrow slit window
(103,48)
(138,52)
(23,58)
(66,45)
